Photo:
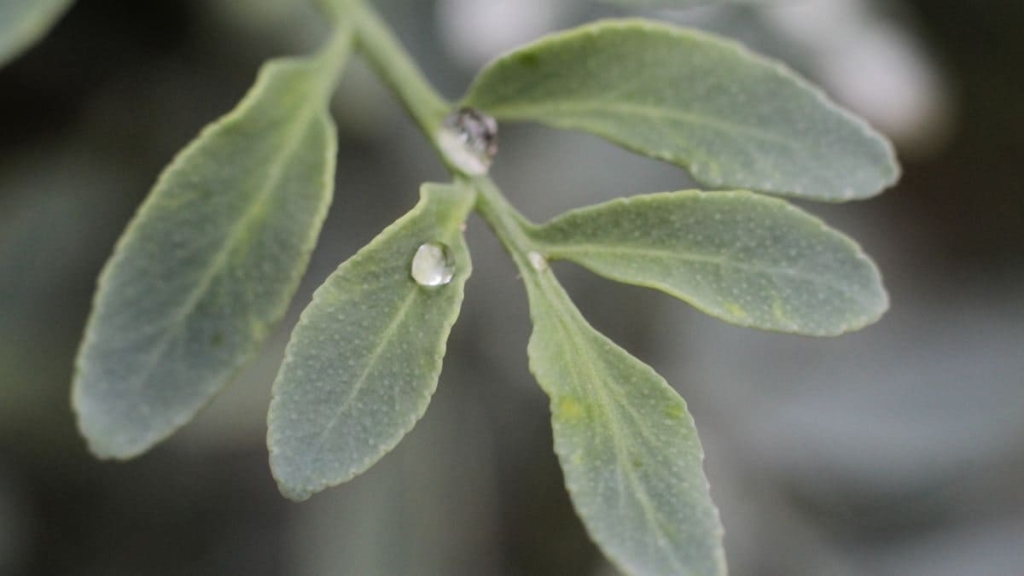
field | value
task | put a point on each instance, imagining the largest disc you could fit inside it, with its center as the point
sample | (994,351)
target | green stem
(506,222)
(428,108)
(333,9)
(398,70)
(333,56)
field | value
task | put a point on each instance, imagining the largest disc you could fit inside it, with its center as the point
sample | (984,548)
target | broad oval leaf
(626,443)
(365,357)
(25,22)
(211,260)
(732,118)
(745,258)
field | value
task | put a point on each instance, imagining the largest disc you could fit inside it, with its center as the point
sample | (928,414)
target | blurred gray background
(898,450)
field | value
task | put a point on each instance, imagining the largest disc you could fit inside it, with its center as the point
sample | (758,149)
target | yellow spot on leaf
(735,310)
(780,312)
(570,409)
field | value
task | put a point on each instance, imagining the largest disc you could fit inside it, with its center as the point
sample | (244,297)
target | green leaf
(745,258)
(626,443)
(734,119)
(211,260)
(25,22)
(365,357)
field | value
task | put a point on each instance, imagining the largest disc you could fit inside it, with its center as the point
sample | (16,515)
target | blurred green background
(898,450)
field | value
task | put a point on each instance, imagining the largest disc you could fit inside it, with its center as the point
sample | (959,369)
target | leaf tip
(104,442)
(292,492)
(288,484)
(119,429)
(294,481)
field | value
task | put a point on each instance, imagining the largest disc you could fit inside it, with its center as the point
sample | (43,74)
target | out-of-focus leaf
(25,22)
(626,443)
(364,359)
(732,118)
(745,258)
(211,260)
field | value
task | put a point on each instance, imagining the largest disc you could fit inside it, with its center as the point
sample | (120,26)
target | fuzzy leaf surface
(365,357)
(25,22)
(745,258)
(626,442)
(732,118)
(211,259)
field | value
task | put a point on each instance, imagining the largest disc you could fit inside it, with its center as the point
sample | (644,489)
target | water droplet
(538,261)
(433,265)
(469,139)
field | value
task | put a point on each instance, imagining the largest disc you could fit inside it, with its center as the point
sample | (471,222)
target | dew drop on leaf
(469,139)
(433,265)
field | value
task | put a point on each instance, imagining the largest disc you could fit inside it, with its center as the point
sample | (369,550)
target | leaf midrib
(567,251)
(567,324)
(560,111)
(371,363)
(294,138)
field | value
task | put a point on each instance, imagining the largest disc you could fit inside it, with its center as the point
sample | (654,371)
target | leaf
(734,119)
(742,257)
(25,22)
(211,260)
(365,357)
(626,443)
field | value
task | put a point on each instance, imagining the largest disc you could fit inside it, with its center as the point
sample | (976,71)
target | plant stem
(398,70)
(506,222)
(428,108)
(333,56)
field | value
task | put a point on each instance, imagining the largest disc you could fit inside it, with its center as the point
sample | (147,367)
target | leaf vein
(230,243)
(360,382)
(568,251)
(579,341)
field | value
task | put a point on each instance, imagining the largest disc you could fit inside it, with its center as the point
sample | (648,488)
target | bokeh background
(898,450)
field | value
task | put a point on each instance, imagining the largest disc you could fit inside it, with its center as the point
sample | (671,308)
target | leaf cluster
(212,258)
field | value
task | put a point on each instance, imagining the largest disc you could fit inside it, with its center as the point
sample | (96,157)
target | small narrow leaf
(745,258)
(211,260)
(626,443)
(734,119)
(364,359)
(25,22)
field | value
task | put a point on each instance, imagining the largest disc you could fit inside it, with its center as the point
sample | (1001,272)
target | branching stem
(396,67)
